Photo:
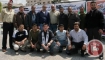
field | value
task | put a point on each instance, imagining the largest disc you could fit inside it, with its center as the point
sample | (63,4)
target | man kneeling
(20,39)
(45,38)
(61,36)
(79,39)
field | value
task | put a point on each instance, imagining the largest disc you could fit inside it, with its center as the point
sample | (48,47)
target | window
(34,0)
(31,1)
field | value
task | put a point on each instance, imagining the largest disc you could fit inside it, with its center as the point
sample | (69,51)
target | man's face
(21,27)
(9,5)
(34,27)
(61,10)
(21,9)
(81,9)
(61,28)
(33,8)
(93,6)
(53,8)
(44,8)
(76,27)
(69,9)
(45,27)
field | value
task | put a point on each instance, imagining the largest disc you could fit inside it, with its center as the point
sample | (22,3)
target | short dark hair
(45,24)
(77,23)
(61,25)
(92,2)
(61,8)
(34,24)
(20,25)
(21,7)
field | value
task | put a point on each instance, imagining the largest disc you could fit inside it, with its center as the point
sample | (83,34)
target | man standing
(7,18)
(82,18)
(31,18)
(62,18)
(53,19)
(94,22)
(72,18)
(45,38)
(43,17)
(79,39)
(20,17)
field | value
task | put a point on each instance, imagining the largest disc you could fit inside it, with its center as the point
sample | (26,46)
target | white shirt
(79,36)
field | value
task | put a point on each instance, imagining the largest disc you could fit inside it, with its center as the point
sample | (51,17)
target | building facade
(38,2)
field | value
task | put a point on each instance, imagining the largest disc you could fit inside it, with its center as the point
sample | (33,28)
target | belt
(8,22)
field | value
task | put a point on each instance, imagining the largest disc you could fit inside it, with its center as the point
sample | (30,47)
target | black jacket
(94,19)
(29,19)
(63,19)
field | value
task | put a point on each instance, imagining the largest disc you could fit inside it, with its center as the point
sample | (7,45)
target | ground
(10,55)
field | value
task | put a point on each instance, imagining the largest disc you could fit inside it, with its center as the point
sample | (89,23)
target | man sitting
(33,38)
(79,39)
(20,38)
(45,38)
(61,37)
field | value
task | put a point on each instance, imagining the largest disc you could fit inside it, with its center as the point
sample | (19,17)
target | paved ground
(10,55)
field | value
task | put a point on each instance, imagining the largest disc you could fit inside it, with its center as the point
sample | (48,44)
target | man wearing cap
(7,19)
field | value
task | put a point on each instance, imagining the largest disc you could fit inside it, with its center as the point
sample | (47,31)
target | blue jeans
(41,26)
(63,44)
(53,27)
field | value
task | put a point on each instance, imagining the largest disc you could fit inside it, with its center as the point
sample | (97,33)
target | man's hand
(33,46)
(48,44)
(100,31)
(45,47)
(22,42)
(84,47)
(69,47)
(58,43)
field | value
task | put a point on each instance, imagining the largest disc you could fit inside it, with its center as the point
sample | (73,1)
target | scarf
(45,40)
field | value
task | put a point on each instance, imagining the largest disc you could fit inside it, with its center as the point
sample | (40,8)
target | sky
(15,1)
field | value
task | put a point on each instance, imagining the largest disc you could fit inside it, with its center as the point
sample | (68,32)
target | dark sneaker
(3,50)
(44,51)
(38,50)
(52,54)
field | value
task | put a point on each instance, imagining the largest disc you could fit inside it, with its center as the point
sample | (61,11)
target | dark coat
(72,18)
(63,19)
(19,19)
(43,18)
(94,19)
(29,21)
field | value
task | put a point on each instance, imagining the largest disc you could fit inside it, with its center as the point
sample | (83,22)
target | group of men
(47,29)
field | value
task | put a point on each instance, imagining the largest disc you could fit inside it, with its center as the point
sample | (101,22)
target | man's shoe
(60,51)
(101,58)
(17,53)
(38,50)
(44,51)
(51,54)
(82,55)
(3,50)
